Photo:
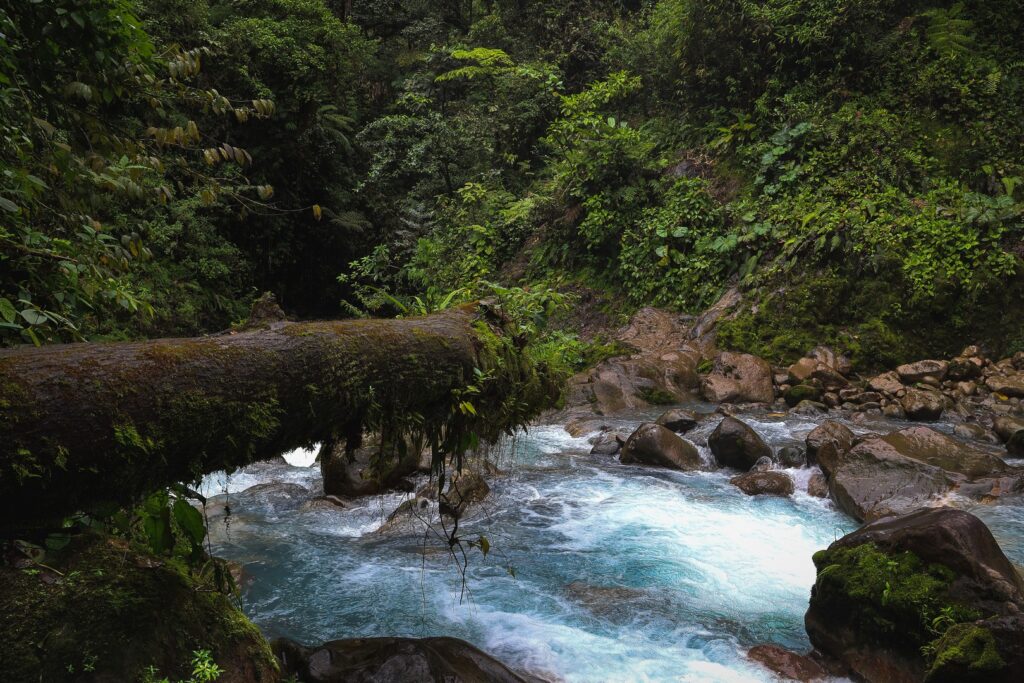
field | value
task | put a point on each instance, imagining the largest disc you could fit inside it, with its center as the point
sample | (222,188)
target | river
(597,571)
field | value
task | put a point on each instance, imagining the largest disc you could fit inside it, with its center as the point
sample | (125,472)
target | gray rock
(791,456)
(817,485)
(922,405)
(826,443)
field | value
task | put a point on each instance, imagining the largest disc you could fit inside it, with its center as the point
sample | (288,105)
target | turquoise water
(596,572)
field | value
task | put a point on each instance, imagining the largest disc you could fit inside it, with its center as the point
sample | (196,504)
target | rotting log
(86,425)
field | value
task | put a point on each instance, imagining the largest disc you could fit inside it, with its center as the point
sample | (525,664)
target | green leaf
(8,205)
(33,317)
(7,310)
(158,531)
(485,545)
(190,520)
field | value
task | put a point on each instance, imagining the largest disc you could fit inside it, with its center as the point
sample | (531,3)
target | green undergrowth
(898,601)
(102,608)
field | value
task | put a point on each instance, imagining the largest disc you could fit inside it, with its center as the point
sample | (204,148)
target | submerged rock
(652,444)
(735,444)
(609,443)
(931,581)
(423,660)
(764,483)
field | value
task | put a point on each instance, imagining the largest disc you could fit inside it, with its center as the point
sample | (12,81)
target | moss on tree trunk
(83,425)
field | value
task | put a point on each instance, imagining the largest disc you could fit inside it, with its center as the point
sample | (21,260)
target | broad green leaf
(190,520)
(33,317)
(7,310)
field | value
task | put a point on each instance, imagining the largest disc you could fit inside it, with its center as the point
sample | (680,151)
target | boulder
(764,483)
(801,392)
(1015,446)
(424,660)
(1010,385)
(739,378)
(912,373)
(935,448)
(801,370)
(963,369)
(787,664)
(411,515)
(609,443)
(886,383)
(735,444)
(791,456)
(365,473)
(1005,426)
(878,590)
(922,405)
(678,420)
(652,444)
(465,488)
(763,465)
(873,479)
(836,361)
(834,437)
(976,432)
(817,485)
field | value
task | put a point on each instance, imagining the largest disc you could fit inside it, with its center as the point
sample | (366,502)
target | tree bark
(84,425)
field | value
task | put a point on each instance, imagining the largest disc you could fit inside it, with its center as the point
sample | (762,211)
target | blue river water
(596,571)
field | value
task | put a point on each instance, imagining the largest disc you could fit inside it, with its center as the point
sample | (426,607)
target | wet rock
(962,369)
(678,420)
(787,664)
(735,444)
(764,483)
(826,443)
(763,465)
(604,600)
(465,488)
(967,430)
(894,411)
(874,480)
(912,373)
(424,660)
(935,448)
(1012,385)
(942,561)
(325,503)
(739,378)
(411,514)
(366,472)
(583,425)
(886,383)
(609,443)
(277,496)
(652,444)
(922,405)
(791,456)
(802,392)
(1015,446)
(817,485)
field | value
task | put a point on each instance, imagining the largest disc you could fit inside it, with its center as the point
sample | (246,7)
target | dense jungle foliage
(855,167)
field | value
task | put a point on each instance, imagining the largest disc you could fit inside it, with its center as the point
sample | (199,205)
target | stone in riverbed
(817,485)
(791,456)
(609,443)
(836,437)
(1012,385)
(976,432)
(877,588)
(935,448)
(1015,446)
(678,420)
(911,373)
(764,483)
(735,444)
(424,660)
(787,664)
(802,392)
(1005,426)
(652,444)
(886,383)
(922,405)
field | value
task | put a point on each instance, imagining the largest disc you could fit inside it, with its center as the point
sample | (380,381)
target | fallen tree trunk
(84,425)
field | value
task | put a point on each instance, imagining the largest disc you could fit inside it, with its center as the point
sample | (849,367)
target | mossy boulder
(103,611)
(802,392)
(918,597)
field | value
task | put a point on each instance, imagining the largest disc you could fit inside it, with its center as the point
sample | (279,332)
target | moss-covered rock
(103,611)
(907,598)
(802,392)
